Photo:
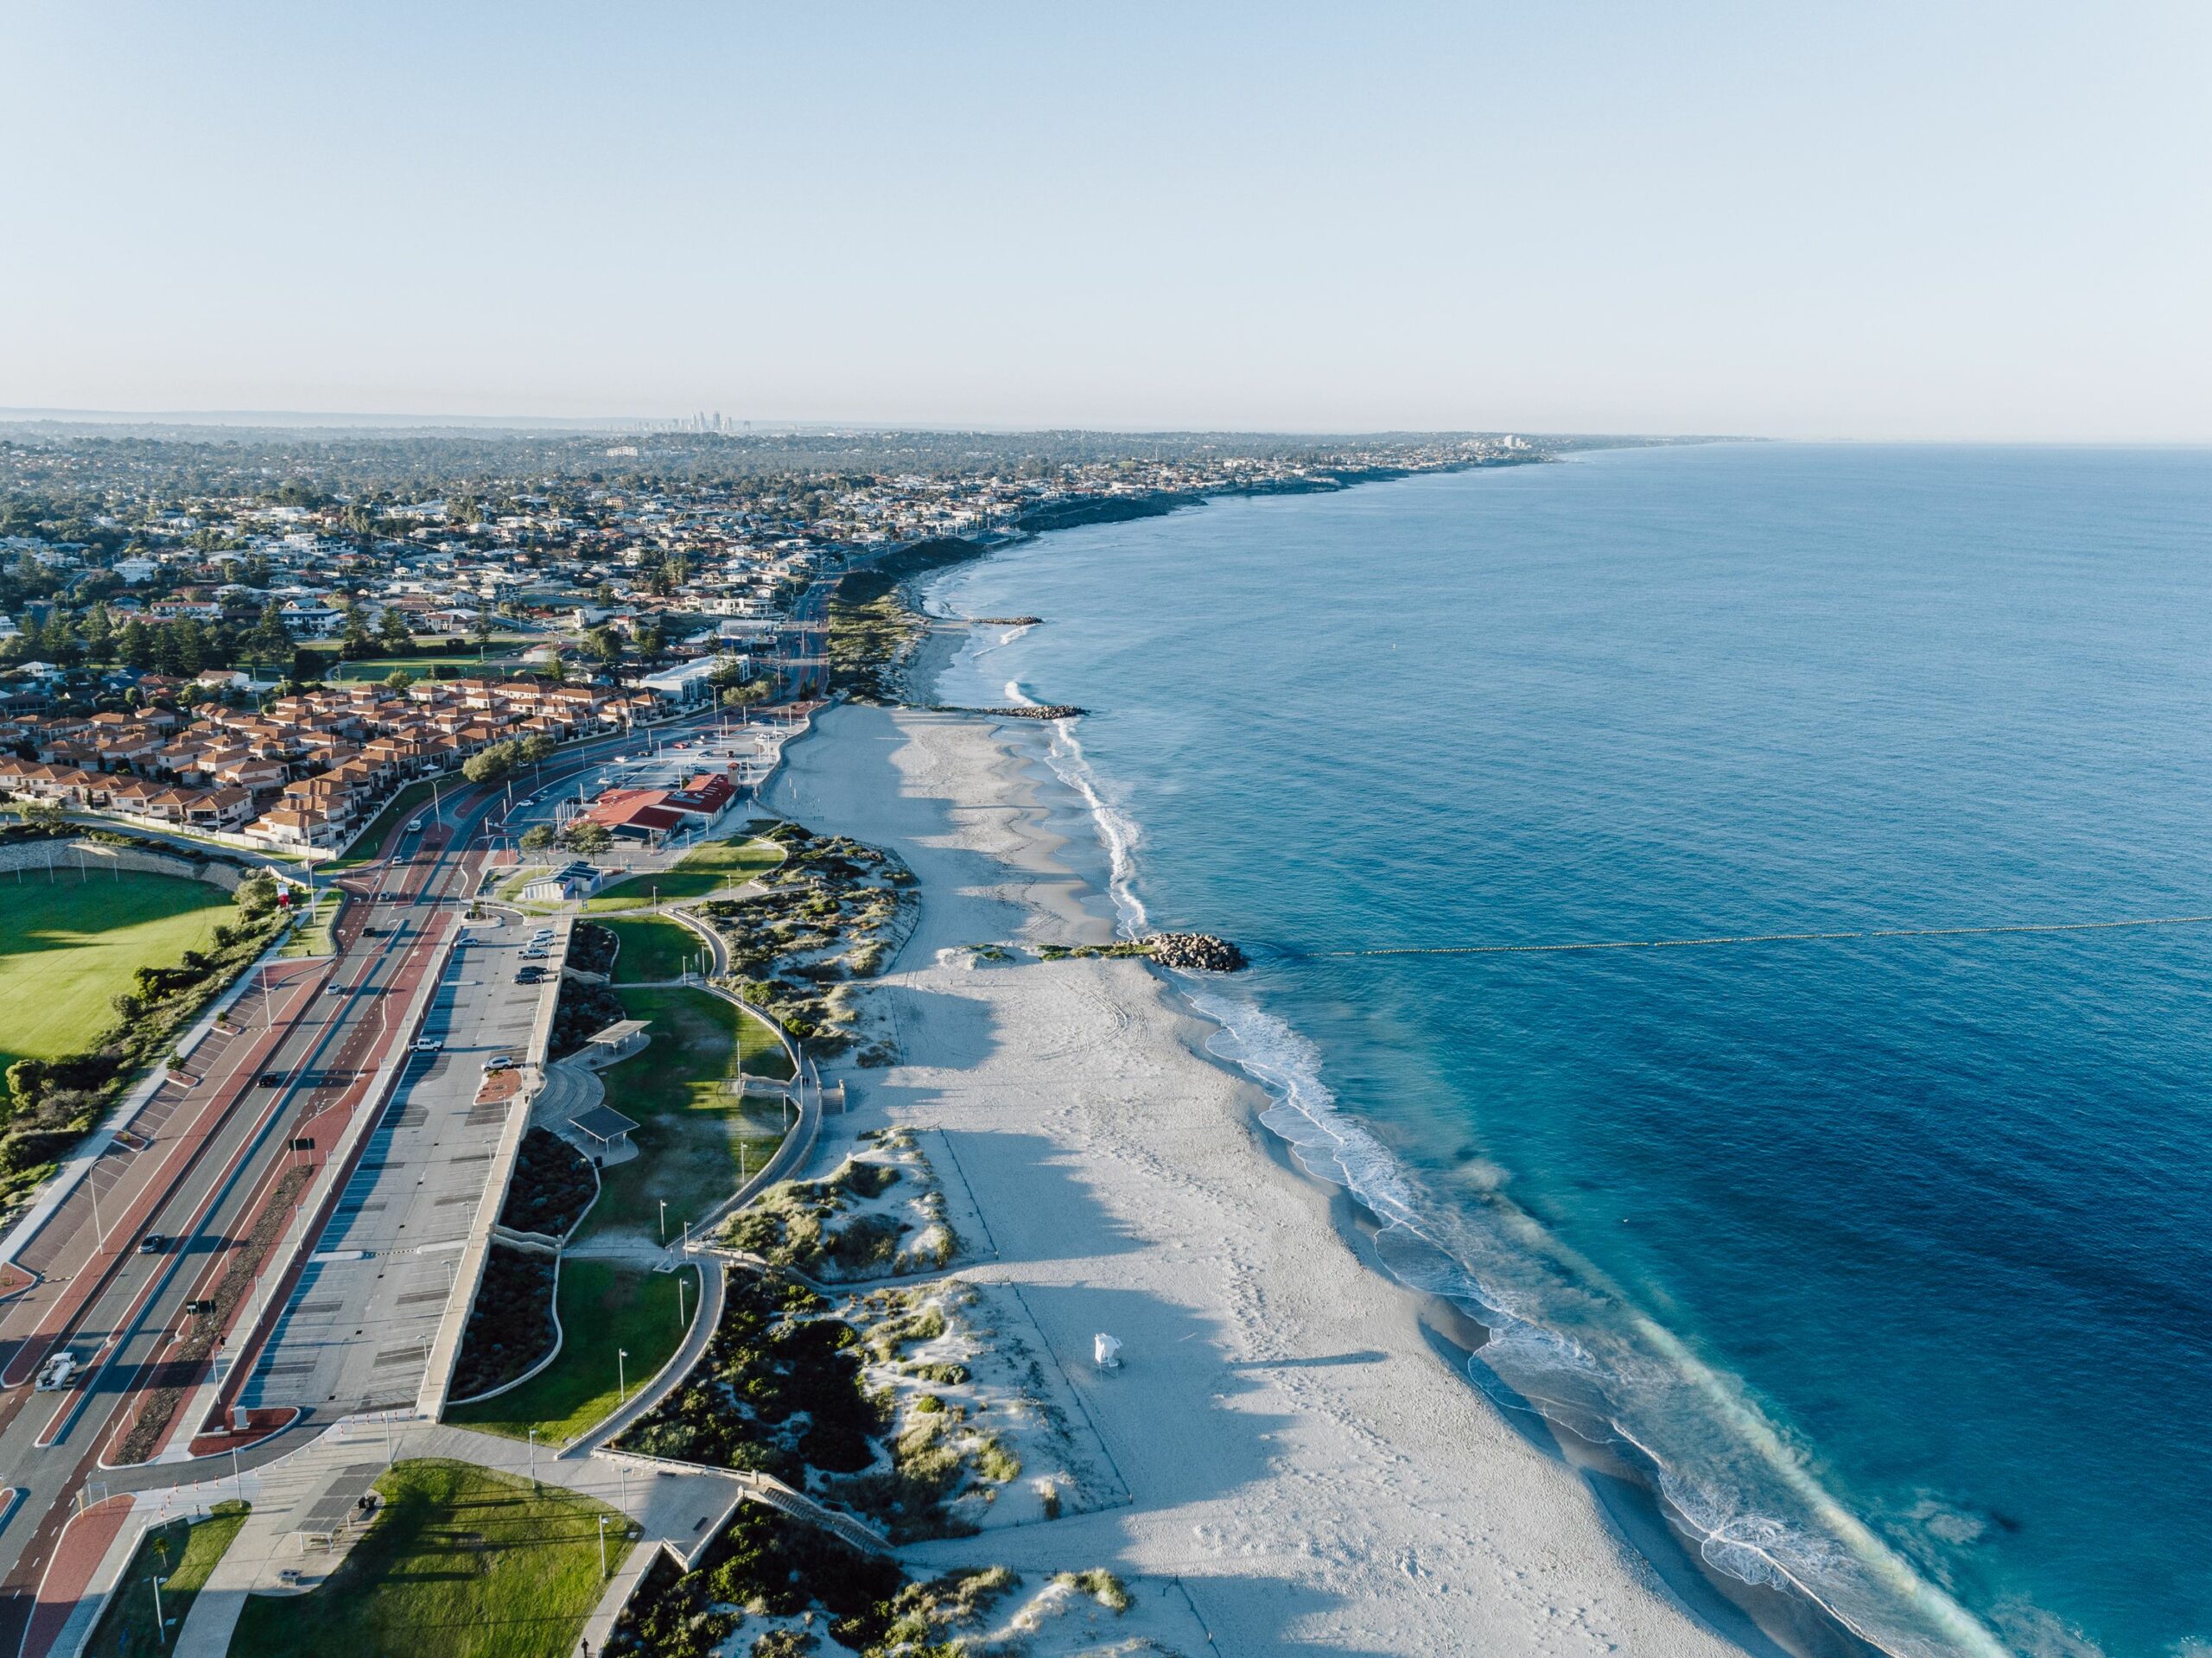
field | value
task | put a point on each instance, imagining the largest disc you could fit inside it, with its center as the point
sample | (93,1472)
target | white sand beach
(1297,1449)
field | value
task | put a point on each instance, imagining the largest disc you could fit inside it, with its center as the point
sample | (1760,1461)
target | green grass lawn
(498,659)
(605,1306)
(67,946)
(690,1126)
(701,871)
(313,938)
(654,949)
(462,1563)
(183,1553)
(509,886)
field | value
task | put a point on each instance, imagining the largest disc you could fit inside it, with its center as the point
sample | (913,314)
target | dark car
(152,1244)
(200,1308)
(271,1079)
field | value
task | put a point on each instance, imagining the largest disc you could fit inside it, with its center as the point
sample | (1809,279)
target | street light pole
(664,1222)
(161,1628)
(533,1459)
(621,1386)
(602,1546)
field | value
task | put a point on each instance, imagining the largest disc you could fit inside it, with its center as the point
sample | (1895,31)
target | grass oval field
(70,944)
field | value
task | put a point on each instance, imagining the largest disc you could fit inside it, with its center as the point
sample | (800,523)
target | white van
(58,1372)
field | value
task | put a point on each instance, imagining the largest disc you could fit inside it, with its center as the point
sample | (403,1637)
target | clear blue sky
(1858,219)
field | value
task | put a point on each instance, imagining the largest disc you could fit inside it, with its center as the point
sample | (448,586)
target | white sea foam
(1569,1344)
(1562,1338)
(1118,833)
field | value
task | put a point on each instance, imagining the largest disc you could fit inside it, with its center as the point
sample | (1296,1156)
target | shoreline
(1299,1450)
(1754,1618)
(1788,1614)
(1787,1617)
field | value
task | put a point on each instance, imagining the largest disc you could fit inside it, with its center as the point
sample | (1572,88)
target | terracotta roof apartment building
(307,770)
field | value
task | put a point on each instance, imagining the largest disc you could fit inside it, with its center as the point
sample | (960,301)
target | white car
(58,1372)
(430,1044)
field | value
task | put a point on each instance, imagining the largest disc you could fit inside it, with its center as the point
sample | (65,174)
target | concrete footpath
(280,1549)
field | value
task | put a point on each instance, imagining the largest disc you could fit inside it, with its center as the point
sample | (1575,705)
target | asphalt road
(202,1195)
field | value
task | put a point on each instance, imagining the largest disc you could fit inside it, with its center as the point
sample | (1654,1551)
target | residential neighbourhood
(267,641)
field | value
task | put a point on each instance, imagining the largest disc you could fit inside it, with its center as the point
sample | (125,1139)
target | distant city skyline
(1878,221)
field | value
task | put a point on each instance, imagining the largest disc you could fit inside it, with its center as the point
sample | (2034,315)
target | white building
(685,684)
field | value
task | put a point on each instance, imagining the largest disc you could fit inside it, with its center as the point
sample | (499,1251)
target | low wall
(94,857)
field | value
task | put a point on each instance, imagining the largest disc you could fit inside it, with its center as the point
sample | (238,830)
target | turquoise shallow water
(1891,1254)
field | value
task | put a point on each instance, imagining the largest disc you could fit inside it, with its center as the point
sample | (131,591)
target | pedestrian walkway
(293,1501)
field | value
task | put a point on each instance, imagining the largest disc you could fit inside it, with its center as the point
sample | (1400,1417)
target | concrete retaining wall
(94,858)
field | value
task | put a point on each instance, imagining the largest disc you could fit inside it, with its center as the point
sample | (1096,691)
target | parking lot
(357,1332)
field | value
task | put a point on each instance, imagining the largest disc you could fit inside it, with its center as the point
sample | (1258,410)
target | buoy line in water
(1774,937)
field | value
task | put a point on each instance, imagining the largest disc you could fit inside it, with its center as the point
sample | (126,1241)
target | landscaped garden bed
(552,1186)
(511,1326)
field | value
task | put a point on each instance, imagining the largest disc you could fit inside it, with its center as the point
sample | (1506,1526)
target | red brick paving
(83,1544)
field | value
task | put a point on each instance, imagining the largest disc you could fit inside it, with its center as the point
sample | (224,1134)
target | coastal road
(124,1310)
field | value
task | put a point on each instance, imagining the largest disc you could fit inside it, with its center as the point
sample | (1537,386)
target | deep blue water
(1893,1252)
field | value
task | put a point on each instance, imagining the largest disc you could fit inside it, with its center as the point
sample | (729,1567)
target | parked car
(500,1062)
(199,1308)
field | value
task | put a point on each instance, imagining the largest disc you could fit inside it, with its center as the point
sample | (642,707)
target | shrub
(552,1184)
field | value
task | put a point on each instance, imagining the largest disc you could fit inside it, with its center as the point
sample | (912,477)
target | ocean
(1889,1256)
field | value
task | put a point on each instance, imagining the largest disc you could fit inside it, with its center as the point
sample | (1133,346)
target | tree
(489,765)
(480,631)
(536,838)
(392,632)
(398,680)
(353,641)
(556,670)
(606,644)
(48,816)
(99,636)
(257,895)
(190,646)
(586,837)
(535,749)
(135,644)
(746,693)
(270,640)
